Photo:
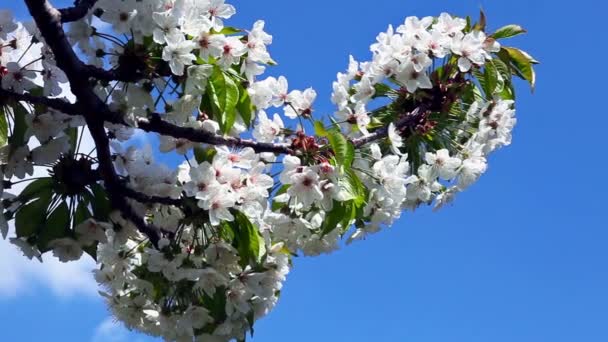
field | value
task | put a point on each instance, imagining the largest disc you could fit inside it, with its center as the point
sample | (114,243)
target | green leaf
(224,96)
(381,90)
(227,30)
(3,128)
(101,204)
(36,189)
(320,129)
(204,154)
(226,232)
(521,62)
(245,107)
(19,126)
(276,206)
(333,218)
(508,31)
(55,227)
(251,320)
(344,150)
(247,239)
(350,213)
(481,25)
(31,216)
(503,69)
(350,187)
(216,304)
(82,213)
(467,28)
(72,133)
(91,250)
(491,79)
(357,185)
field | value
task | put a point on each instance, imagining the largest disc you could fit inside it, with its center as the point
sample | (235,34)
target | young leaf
(224,96)
(32,215)
(333,218)
(357,185)
(101,204)
(508,31)
(20,126)
(55,227)
(227,30)
(3,128)
(72,133)
(245,107)
(521,62)
(344,150)
(36,188)
(320,129)
(82,213)
(204,154)
(247,239)
(491,79)
(481,25)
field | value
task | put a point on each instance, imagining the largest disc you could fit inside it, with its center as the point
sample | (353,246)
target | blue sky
(521,256)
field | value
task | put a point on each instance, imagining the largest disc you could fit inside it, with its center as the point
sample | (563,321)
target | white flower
(256,43)
(412,79)
(219,203)
(209,44)
(218,10)
(267,130)
(243,158)
(300,103)
(91,231)
(29,251)
(395,139)
(178,53)
(232,50)
(442,164)
(364,90)
(470,49)
(305,187)
(120,16)
(18,78)
(421,186)
(66,249)
(470,171)
(355,120)
(167,23)
(448,25)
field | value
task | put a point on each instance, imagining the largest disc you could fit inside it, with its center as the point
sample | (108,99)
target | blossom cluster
(413,126)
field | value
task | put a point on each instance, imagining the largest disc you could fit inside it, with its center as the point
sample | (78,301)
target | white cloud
(21,275)
(111,331)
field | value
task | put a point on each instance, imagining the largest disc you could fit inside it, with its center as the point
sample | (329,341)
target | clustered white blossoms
(413,126)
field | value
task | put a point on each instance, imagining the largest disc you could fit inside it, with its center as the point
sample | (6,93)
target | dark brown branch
(114,186)
(48,20)
(143,198)
(409,120)
(78,11)
(121,75)
(156,124)
(54,103)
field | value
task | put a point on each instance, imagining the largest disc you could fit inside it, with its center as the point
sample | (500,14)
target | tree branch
(409,120)
(48,20)
(143,198)
(54,103)
(156,124)
(76,12)
(121,75)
